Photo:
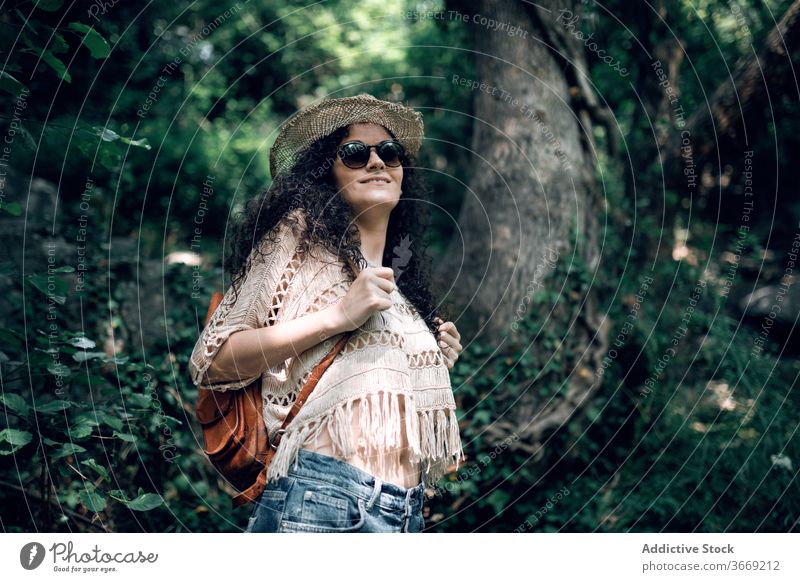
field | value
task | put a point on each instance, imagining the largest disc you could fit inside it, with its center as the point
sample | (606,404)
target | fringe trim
(440,443)
(433,435)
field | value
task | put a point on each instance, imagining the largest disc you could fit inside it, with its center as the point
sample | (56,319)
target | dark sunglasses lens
(354,155)
(391,153)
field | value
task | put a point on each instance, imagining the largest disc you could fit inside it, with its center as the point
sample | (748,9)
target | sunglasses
(355,154)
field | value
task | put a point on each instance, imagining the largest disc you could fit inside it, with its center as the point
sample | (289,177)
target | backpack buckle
(275,434)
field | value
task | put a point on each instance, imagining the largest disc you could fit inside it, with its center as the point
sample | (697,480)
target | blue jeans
(326,495)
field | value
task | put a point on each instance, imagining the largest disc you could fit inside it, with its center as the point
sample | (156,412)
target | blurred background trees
(590,400)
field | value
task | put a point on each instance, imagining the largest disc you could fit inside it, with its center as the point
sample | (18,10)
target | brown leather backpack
(234,433)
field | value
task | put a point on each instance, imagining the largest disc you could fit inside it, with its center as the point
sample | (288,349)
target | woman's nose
(375,160)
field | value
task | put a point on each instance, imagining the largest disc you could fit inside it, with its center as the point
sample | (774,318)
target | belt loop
(407,510)
(375,492)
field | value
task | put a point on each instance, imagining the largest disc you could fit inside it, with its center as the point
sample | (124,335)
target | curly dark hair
(310,185)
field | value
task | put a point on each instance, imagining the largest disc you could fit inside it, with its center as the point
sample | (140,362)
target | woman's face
(373,190)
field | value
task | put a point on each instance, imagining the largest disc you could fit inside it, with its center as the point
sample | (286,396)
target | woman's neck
(373,239)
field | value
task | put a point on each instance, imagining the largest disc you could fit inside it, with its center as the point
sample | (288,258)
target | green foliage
(703,450)
(99,433)
(73,446)
(149,106)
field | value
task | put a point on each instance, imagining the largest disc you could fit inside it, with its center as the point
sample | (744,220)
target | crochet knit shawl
(392,355)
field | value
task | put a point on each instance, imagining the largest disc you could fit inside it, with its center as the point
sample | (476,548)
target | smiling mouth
(374,181)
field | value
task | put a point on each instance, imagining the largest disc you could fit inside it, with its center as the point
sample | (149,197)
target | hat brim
(309,124)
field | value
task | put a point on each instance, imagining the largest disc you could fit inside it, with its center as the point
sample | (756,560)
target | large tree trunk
(531,201)
(531,193)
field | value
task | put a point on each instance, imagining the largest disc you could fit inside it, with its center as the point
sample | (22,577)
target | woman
(381,421)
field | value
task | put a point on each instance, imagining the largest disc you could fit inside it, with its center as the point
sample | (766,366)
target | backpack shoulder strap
(216,299)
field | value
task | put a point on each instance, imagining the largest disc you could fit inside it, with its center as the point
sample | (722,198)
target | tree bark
(531,202)
(533,186)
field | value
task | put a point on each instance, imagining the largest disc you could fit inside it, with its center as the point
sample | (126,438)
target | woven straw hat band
(324,117)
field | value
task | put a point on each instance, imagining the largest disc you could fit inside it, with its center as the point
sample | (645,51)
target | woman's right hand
(368,293)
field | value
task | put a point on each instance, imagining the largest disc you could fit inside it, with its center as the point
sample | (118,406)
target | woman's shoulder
(296,219)
(287,231)
(298,214)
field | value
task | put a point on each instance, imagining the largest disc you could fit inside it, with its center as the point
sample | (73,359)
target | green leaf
(83,343)
(139,143)
(498,500)
(58,369)
(49,5)
(11,338)
(172,418)
(592,413)
(108,157)
(80,431)
(146,502)
(64,269)
(83,356)
(105,134)
(59,44)
(27,25)
(15,402)
(92,40)
(53,406)
(124,436)
(482,417)
(93,501)
(27,141)
(55,63)
(13,208)
(109,135)
(139,401)
(68,449)
(57,294)
(119,495)
(109,420)
(88,417)
(92,464)
(15,439)
(70,499)
(10,85)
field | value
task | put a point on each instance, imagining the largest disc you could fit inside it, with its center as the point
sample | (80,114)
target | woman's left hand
(449,341)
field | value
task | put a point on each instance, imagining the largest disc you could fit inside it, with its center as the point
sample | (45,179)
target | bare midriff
(397,467)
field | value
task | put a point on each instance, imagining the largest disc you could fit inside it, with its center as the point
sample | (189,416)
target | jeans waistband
(374,490)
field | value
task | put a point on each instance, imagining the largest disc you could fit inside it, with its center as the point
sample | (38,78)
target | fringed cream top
(385,404)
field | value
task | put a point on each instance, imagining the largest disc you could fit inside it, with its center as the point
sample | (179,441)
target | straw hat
(322,118)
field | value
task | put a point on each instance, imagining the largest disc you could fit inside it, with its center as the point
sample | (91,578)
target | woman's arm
(245,309)
(250,352)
